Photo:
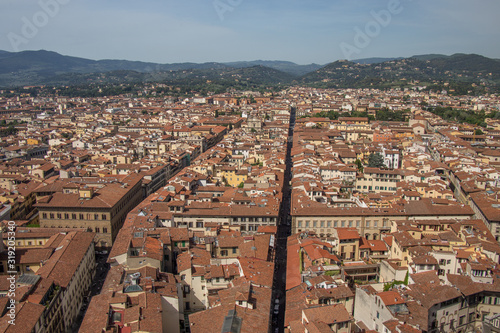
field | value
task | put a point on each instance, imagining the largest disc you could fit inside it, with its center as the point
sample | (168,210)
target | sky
(301,31)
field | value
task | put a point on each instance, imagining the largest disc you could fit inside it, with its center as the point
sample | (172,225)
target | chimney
(134,278)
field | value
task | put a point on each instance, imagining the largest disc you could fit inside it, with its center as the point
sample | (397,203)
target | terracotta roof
(329,314)
(257,271)
(253,320)
(27,315)
(66,259)
(347,233)
(391,298)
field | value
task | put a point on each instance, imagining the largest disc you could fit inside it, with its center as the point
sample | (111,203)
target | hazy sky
(302,31)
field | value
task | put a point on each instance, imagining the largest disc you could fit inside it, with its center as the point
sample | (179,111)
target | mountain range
(50,68)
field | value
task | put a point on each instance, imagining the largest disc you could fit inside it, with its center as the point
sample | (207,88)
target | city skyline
(238,30)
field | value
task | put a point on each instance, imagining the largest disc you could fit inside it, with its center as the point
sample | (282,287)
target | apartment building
(378,180)
(370,222)
(72,267)
(92,204)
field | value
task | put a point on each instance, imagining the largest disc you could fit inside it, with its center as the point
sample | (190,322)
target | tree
(376,160)
(11,130)
(359,164)
(389,115)
(241,185)
(478,132)
(388,286)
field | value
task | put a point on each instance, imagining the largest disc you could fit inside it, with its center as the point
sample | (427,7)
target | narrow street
(278,300)
(101,271)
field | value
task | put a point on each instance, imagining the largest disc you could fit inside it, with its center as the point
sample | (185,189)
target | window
(51,215)
(66,216)
(97,229)
(59,216)
(105,230)
(81,217)
(104,217)
(378,315)
(96,216)
(44,215)
(234,250)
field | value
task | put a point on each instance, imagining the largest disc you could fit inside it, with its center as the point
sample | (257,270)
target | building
(91,204)
(72,268)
